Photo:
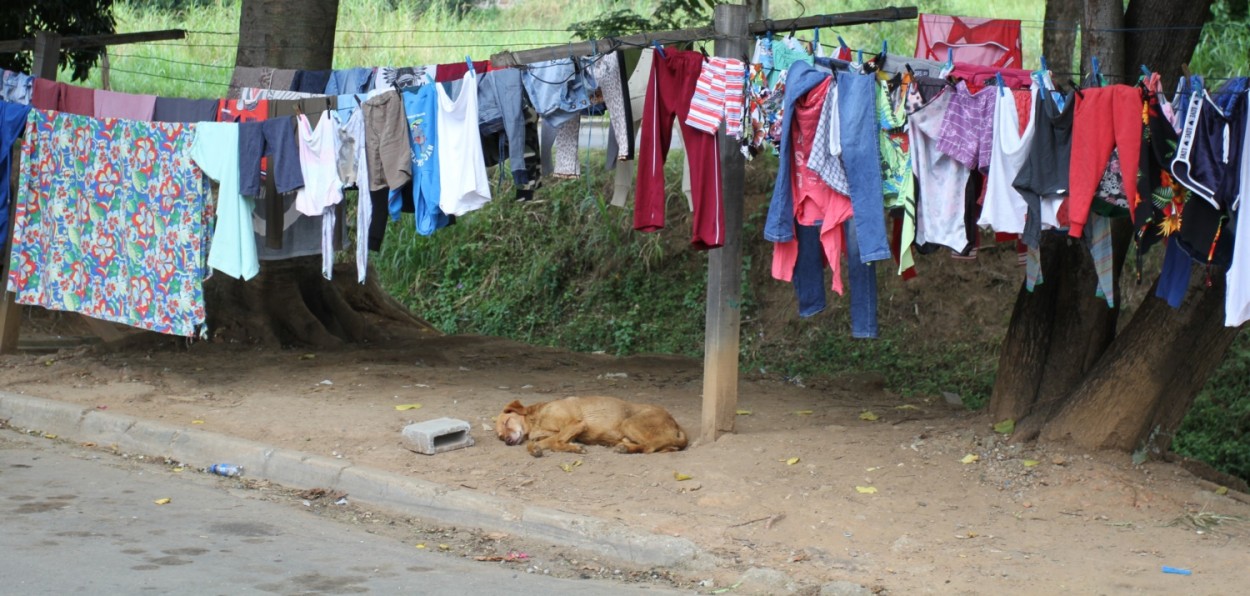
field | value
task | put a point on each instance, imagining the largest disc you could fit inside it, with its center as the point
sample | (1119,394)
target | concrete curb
(402,494)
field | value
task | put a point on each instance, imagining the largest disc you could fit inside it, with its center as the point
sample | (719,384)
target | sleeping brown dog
(597,420)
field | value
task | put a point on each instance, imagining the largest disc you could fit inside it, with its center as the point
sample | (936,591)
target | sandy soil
(833,481)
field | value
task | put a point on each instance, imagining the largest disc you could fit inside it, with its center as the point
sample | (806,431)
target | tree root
(291,304)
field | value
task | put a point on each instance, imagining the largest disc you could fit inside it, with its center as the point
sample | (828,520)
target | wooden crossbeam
(603,46)
(95,41)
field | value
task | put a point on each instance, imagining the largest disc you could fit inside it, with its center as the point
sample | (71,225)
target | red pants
(1104,119)
(668,94)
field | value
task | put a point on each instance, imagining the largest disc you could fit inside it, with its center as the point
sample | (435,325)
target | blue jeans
(557,91)
(809,271)
(863,282)
(1174,278)
(857,116)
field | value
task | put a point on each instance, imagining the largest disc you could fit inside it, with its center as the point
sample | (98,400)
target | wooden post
(724,268)
(47,54)
(104,69)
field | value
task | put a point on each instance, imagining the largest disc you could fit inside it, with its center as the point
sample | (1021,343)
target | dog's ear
(514,407)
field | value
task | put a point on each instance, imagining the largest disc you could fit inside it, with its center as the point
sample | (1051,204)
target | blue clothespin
(1145,71)
(885,47)
(659,48)
(950,57)
(468,60)
(1097,67)
(1044,67)
(998,76)
(861,56)
(842,43)
(816,36)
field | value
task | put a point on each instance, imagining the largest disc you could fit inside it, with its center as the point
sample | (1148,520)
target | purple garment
(967,133)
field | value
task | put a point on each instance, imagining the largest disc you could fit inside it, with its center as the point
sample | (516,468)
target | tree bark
(1102,37)
(1056,333)
(1139,392)
(296,34)
(1172,29)
(1059,38)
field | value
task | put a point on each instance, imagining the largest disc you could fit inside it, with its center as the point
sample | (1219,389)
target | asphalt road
(73,520)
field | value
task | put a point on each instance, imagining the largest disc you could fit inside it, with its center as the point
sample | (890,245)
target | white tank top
(318,160)
(461,165)
(1004,209)
(323,188)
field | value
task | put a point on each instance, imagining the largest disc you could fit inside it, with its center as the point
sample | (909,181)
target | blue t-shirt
(421,109)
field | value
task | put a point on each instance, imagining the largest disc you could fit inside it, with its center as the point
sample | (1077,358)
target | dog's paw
(536,451)
(622,448)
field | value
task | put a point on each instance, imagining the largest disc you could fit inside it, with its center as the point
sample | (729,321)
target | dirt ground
(839,480)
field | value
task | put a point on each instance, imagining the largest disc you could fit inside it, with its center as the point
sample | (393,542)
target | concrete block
(438,435)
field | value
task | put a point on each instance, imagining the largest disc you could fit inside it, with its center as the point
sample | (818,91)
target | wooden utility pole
(724,267)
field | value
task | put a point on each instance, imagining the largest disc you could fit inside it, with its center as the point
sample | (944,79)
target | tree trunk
(1139,392)
(1102,38)
(1172,31)
(1059,39)
(295,34)
(1062,372)
(290,303)
(1056,334)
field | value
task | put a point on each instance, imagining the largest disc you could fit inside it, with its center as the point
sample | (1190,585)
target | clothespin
(469,61)
(861,56)
(1044,67)
(885,47)
(1097,67)
(816,36)
(793,29)
(1145,72)
(842,43)
(659,49)
(998,76)
(950,57)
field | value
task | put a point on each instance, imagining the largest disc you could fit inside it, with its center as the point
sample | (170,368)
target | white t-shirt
(461,165)
(1004,208)
(1237,295)
(943,180)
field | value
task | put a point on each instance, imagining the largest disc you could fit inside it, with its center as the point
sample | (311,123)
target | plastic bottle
(228,470)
